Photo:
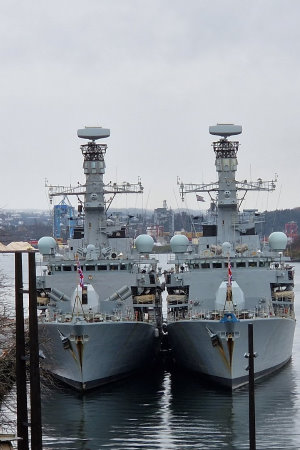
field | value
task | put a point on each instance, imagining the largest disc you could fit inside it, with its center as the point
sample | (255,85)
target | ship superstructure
(100,298)
(230,280)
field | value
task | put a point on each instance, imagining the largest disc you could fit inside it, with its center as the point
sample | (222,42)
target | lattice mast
(223,193)
(94,190)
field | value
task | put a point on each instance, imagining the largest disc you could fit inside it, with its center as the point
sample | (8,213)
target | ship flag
(80,273)
(229,274)
(199,198)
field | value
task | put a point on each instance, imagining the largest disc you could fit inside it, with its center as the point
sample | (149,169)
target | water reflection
(122,415)
(212,419)
(168,411)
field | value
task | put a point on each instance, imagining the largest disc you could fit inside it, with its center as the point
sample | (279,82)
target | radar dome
(226,248)
(179,243)
(278,241)
(46,245)
(144,243)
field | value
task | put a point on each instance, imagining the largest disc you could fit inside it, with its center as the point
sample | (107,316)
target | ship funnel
(225,130)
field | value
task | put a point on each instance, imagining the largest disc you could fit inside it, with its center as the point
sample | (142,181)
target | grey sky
(157,73)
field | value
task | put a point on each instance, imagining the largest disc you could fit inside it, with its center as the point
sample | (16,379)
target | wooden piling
(22,413)
(35,392)
(251,356)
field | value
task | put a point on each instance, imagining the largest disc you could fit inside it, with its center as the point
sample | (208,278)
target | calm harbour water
(161,410)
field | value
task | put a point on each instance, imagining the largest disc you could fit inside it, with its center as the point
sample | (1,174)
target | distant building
(291,230)
(163,219)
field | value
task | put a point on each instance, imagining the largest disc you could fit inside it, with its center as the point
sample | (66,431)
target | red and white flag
(80,273)
(229,274)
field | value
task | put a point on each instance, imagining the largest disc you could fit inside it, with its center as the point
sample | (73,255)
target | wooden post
(22,413)
(35,389)
(251,356)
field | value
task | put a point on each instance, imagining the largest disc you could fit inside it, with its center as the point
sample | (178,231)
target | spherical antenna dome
(278,241)
(46,245)
(179,243)
(226,248)
(144,243)
(90,248)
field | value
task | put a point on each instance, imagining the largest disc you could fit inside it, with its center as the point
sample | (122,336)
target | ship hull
(88,355)
(217,350)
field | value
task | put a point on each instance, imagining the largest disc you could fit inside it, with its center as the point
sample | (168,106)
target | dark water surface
(161,410)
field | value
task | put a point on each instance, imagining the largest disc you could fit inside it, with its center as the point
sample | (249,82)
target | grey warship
(99,297)
(230,279)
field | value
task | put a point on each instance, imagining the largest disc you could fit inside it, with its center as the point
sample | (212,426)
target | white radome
(46,245)
(179,243)
(144,243)
(278,241)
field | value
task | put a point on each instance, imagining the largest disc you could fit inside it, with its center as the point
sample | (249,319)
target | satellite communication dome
(179,243)
(46,245)
(144,243)
(278,241)
(90,247)
(226,248)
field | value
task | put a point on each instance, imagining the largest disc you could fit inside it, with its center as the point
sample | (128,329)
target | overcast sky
(157,73)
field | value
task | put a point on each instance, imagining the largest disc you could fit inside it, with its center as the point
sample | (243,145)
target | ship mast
(223,193)
(94,190)
(94,203)
(226,166)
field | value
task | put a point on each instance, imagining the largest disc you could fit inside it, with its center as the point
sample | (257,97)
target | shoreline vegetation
(294,250)
(7,365)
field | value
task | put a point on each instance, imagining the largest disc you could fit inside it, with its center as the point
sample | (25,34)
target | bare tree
(7,364)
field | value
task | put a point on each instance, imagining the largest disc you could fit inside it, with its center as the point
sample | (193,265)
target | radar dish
(93,133)
(225,129)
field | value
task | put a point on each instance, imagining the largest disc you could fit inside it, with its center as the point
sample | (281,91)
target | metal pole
(22,413)
(252,437)
(35,389)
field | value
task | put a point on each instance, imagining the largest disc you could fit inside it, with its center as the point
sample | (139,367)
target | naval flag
(199,198)
(229,274)
(80,273)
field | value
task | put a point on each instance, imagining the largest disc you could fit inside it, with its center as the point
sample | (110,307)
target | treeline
(276,220)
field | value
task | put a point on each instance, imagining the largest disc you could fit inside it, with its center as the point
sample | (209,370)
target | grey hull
(224,362)
(92,354)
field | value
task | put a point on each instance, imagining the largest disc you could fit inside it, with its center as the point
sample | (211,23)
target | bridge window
(252,264)
(241,264)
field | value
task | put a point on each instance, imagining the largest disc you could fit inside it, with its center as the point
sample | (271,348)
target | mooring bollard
(251,355)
